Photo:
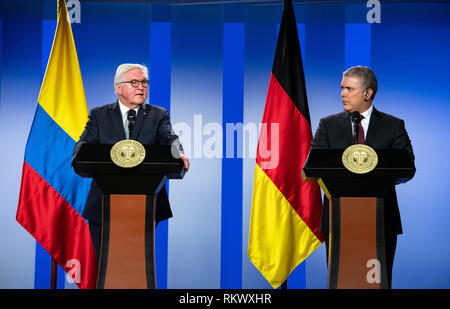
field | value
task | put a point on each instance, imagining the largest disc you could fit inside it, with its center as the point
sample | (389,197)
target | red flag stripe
(46,215)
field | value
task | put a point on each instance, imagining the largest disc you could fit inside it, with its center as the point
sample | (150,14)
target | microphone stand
(356,132)
(355,122)
(131,121)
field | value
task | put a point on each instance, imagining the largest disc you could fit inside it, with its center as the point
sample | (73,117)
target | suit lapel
(117,121)
(140,119)
(373,127)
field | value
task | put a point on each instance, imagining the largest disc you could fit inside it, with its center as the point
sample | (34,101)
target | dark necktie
(361,139)
(131,115)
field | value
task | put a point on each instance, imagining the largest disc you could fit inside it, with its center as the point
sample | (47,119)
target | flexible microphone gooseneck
(355,121)
(131,120)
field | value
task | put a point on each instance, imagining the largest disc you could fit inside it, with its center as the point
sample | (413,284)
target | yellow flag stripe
(62,94)
(279,240)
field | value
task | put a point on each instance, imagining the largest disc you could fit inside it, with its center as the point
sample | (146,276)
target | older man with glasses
(127,118)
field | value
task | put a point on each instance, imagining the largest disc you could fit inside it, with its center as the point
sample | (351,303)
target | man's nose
(140,87)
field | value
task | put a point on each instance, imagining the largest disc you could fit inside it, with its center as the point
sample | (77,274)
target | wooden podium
(127,258)
(357,239)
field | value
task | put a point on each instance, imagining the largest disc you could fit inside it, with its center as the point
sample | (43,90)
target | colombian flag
(285,215)
(52,196)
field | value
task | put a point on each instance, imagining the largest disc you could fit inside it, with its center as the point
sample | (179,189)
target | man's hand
(185,161)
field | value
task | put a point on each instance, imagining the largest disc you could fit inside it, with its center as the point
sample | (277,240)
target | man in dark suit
(110,123)
(377,130)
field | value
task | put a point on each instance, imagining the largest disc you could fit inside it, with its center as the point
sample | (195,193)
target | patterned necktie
(361,139)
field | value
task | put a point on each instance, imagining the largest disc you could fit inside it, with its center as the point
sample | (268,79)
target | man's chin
(347,108)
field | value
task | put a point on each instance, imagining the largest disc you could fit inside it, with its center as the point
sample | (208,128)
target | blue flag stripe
(49,152)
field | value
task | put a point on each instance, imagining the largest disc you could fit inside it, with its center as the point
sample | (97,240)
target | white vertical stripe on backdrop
(196,96)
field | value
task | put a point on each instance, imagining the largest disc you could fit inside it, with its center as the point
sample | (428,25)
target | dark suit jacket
(105,126)
(385,132)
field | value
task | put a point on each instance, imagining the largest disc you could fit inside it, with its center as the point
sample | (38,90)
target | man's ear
(368,94)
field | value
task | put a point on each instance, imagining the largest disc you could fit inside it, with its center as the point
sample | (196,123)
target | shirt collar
(124,110)
(368,112)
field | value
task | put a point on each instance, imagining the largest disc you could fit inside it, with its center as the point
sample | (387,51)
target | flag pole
(54,267)
(54,274)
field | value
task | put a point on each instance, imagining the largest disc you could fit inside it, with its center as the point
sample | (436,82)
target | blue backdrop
(210,66)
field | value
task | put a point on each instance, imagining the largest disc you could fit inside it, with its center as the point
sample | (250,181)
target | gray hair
(366,77)
(123,68)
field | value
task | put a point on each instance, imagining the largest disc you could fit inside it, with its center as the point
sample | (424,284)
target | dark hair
(366,77)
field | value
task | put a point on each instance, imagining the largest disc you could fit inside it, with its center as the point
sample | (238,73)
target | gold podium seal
(359,159)
(127,153)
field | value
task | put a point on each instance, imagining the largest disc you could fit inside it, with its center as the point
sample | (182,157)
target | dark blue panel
(20,63)
(260,42)
(233,13)
(325,43)
(356,13)
(161,13)
(232,112)
(160,66)
(197,48)
(325,60)
(357,44)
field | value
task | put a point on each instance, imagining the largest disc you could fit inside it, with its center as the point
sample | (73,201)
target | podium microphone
(355,121)
(131,120)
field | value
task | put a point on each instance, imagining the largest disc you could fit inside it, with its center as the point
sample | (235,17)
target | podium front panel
(357,251)
(127,249)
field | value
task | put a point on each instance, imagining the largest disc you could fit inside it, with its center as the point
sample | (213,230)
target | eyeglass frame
(145,85)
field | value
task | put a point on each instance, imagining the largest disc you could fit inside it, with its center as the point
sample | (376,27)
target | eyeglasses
(135,83)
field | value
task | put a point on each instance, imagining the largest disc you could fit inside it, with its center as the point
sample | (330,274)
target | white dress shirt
(124,111)
(366,120)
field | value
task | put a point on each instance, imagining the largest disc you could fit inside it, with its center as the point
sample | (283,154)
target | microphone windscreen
(355,116)
(131,113)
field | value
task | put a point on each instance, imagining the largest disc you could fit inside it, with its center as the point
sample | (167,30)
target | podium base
(357,244)
(127,248)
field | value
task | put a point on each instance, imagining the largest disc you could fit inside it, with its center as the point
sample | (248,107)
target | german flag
(285,215)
